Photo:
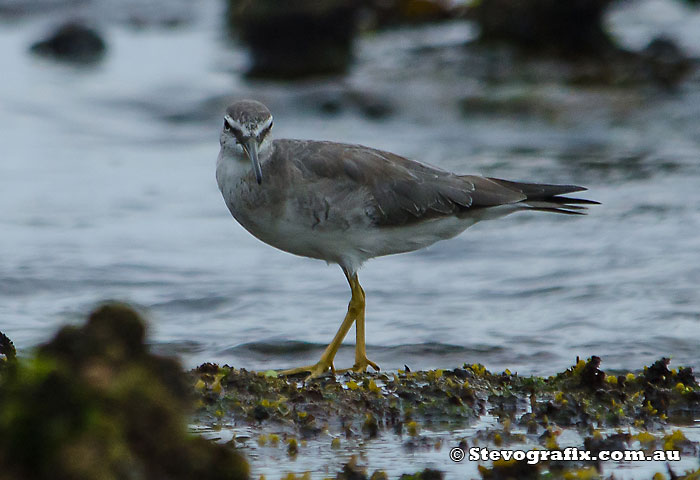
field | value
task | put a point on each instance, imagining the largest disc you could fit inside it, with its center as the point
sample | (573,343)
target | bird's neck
(265,148)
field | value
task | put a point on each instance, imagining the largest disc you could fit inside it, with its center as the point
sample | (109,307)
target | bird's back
(397,191)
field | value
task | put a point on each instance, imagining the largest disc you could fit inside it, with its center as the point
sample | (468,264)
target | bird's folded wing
(401,191)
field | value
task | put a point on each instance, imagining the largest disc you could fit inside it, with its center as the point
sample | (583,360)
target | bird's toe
(361,366)
(315,371)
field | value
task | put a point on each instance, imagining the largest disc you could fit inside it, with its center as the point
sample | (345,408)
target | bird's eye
(227,127)
(265,131)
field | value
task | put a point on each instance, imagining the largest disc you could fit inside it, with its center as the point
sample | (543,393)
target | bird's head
(246,132)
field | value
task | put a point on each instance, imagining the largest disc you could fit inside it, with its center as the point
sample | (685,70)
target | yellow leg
(361,360)
(356,305)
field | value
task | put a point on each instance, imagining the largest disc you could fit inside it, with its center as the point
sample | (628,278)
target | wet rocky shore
(95,392)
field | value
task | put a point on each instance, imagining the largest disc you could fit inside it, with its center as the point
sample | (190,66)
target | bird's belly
(353,246)
(350,246)
(408,238)
(302,237)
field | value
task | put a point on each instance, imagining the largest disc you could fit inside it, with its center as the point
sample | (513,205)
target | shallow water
(107,191)
(397,455)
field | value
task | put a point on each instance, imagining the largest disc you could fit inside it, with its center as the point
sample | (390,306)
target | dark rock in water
(573,31)
(507,470)
(566,27)
(503,63)
(379,475)
(427,474)
(398,12)
(94,403)
(666,62)
(351,471)
(658,373)
(371,106)
(72,42)
(616,441)
(7,348)
(592,377)
(296,38)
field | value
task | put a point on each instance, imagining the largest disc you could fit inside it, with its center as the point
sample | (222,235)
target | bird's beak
(251,149)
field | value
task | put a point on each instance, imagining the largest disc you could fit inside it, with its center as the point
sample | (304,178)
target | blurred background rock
(72,42)
(574,27)
(94,404)
(295,38)
(308,37)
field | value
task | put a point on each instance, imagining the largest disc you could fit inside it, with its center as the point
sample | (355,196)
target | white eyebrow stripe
(233,124)
(263,126)
(244,128)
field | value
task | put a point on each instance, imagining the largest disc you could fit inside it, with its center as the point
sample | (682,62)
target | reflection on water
(429,450)
(108,191)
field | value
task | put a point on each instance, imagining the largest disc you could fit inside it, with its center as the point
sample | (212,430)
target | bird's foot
(361,366)
(315,371)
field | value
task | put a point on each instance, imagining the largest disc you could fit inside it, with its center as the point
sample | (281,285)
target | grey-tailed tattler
(347,203)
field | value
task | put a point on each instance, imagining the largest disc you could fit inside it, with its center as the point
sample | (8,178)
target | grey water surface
(107,191)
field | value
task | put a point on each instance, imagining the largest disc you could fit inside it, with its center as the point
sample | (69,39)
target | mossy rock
(94,404)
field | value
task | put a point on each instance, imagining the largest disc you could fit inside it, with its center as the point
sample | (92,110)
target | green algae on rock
(94,404)
(581,396)
(358,403)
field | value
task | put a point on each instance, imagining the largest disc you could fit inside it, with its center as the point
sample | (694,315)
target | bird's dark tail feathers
(548,198)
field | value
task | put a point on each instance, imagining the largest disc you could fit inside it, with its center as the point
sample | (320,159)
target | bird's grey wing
(400,191)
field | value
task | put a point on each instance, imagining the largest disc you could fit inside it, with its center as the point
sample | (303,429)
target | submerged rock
(510,469)
(567,41)
(667,64)
(572,26)
(398,12)
(93,403)
(344,100)
(296,38)
(72,42)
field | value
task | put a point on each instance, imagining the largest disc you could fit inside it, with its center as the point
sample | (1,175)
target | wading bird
(348,203)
